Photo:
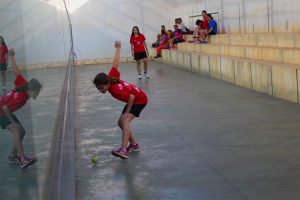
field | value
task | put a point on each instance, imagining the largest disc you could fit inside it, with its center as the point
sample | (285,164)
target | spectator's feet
(27,161)
(120,152)
(133,147)
(139,76)
(147,75)
(14,158)
(158,56)
(197,42)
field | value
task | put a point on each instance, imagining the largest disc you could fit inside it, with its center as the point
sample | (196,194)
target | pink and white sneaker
(133,147)
(120,152)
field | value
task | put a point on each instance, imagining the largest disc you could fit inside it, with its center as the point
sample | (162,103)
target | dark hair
(32,85)
(163,26)
(209,15)
(198,21)
(103,79)
(163,32)
(175,25)
(132,33)
(204,11)
(3,42)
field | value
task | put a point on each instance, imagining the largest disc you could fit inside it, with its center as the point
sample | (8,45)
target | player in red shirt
(135,100)
(204,25)
(13,101)
(139,51)
(3,61)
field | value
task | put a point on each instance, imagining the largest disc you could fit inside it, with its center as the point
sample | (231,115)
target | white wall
(37,30)
(98,23)
(255,16)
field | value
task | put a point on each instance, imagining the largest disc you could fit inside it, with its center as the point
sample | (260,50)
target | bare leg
(131,138)
(138,66)
(22,134)
(145,60)
(171,42)
(126,130)
(3,76)
(17,138)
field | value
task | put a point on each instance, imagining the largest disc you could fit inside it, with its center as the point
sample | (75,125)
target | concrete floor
(200,139)
(38,118)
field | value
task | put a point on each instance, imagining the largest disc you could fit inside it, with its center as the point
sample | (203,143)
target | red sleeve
(114,72)
(5,50)
(143,38)
(20,80)
(19,100)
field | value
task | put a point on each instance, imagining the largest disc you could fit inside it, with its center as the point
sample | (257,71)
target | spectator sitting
(177,36)
(181,26)
(211,30)
(163,44)
(196,35)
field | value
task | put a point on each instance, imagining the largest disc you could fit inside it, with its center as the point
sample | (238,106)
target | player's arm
(146,48)
(132,49)
(116,59)
(8,114)
(130,103)
(14,66)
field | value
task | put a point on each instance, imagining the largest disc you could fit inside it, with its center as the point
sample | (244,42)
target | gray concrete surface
(38,118)
(200,139)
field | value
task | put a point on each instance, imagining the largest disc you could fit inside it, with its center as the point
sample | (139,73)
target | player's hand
(117,44)
(11,52)
(125,115)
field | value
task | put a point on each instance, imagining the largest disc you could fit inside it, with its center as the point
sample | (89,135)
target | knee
(124,122)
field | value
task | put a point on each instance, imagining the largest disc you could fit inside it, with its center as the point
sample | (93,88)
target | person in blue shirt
(211,30)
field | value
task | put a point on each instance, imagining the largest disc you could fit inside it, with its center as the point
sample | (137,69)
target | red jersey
(204,24)
(14,100)
(123,90)
(3,52)
(138,43)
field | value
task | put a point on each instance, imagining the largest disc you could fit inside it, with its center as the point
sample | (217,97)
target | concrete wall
(276,79)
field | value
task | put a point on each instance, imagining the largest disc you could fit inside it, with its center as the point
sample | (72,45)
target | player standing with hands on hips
(135,100)
(139,51)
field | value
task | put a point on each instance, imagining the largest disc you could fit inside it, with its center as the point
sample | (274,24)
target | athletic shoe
(14,158)
(120,152)
(139,76)
(204,42)
(147,75)
(158,56)
(133,147)
(27,161)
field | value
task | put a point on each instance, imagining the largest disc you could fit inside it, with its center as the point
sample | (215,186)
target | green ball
(94,159)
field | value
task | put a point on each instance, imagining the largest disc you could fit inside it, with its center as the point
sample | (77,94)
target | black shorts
(3,66)
(136,109)
(4,121)
(140,56)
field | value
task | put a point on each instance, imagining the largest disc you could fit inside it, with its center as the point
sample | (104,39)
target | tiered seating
(267,63)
